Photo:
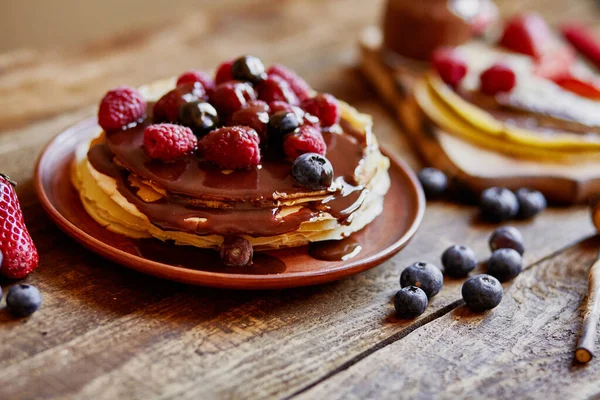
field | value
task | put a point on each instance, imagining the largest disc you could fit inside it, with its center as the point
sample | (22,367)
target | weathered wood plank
(42,84)
(180,340)
(522,349)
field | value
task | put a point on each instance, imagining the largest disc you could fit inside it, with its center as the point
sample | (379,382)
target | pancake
(536,120)
(192,203)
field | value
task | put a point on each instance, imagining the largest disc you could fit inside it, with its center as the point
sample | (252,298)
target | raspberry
(275,88)
(168,142)
(167,107)
(298,85)
(497,79)
(232,147)
(255,115)
(305,139)
(450,65)
(325,107)
(197,76)
(120,107)
(231,96)
(224,72)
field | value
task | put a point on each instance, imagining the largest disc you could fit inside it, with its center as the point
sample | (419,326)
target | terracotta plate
(390,232)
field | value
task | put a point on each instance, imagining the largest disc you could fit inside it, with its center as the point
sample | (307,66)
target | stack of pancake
(193,202)
(537,120)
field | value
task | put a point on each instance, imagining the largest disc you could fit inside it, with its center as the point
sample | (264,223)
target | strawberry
(527,34)
(579,86)
(19,255)
(583,41)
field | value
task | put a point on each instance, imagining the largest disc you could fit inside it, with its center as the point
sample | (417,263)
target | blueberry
(199,116)
(458,261)
(410,302)
(507,237)
(505,264)
(482,292)
(23,300)
(531,202)
(248,68)
(280,124)
(313,171)
(434,182)
(236,251)
(426,276)
(498,204)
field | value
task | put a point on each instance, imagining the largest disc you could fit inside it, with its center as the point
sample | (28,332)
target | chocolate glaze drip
(335,250)
(249,196)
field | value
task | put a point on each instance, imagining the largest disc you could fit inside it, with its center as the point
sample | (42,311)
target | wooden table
(107,332)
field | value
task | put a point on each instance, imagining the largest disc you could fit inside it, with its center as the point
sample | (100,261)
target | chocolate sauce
(537,122)
(335,250)
(247,199)
(204,259)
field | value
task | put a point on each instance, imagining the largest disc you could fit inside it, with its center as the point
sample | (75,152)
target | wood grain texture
(106,332)
(521,349)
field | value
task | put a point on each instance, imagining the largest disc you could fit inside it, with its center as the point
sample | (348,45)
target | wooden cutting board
(475,167)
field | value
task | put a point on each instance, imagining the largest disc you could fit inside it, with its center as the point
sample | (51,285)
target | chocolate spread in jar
(414,29)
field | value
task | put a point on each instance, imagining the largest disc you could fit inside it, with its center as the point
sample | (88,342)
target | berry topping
(497,79)
(482,292)
(450,64)
(527,34)
(255,115)
(410,302)
(231,96)
(23,300)
(280,124)
(531,202)
(306,139)
(19,255)
(276,106)
(168,142)
(325,107)
(167,107)
(583,41)
(313,171)
(584,88)
(275,88)
(199,116)
(121,107)
(233,147)
(197,76)
(434,182)
(236,251)
(505,264)
(224,73)
(298,85)
(507,237)
(458,261)
(426,276)
(498,204)
(248,68)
